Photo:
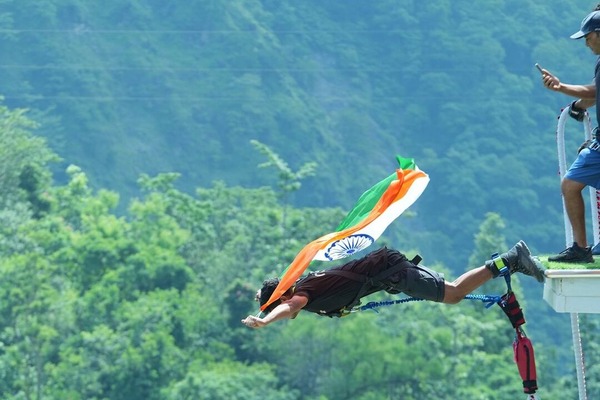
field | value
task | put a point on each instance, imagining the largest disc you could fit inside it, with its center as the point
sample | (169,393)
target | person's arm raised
(286,310)
(579,91)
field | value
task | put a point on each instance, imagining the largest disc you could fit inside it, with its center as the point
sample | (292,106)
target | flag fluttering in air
(374,211)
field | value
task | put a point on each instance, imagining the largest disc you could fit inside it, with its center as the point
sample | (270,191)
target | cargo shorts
(414,280)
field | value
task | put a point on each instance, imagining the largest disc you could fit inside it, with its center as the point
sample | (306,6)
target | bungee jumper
(337,291)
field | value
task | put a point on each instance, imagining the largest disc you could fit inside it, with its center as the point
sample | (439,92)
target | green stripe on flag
(369,199)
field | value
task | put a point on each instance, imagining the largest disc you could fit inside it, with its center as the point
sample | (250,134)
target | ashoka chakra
(348,246)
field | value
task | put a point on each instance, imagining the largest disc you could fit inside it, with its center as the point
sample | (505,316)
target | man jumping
(334,292)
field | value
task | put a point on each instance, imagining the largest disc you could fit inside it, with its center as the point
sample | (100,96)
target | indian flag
(374,211)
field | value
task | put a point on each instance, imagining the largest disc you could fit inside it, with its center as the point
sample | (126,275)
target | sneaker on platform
(596,249)
(574,254)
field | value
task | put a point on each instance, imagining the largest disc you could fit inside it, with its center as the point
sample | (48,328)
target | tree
(24,176)
(230,380)
(23,160)
(288,181)
(490,239)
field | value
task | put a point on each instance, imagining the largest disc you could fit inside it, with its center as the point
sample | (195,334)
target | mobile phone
(539,68)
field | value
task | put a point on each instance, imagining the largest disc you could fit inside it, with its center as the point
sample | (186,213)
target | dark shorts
(415,280)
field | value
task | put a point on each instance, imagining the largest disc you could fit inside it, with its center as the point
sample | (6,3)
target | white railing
(594,205)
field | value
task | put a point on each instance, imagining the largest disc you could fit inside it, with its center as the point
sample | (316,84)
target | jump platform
(573,290)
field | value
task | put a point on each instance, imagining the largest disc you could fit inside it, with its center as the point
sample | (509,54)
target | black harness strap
(347,274)
(366,281)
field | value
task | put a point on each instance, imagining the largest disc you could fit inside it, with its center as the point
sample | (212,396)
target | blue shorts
(586,168)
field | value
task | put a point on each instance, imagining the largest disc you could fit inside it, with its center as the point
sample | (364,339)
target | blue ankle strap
(503,269)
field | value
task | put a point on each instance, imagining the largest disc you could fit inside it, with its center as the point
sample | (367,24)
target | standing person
(335,291)
(585,170)
(577,111)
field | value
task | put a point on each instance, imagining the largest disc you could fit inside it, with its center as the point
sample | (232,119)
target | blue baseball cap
(591,23)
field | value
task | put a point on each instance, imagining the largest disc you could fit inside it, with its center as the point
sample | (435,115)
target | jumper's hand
(253,322)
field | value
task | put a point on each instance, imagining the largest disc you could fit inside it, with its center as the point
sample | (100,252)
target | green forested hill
(116,289)
(148,306)
(146,87)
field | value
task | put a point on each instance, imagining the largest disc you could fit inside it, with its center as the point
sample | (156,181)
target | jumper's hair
(265,293)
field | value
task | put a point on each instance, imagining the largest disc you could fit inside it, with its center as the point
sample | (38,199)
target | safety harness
(367,282)
(522,347)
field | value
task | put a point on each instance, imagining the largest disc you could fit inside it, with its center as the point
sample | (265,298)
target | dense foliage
(126,274)
(148,306)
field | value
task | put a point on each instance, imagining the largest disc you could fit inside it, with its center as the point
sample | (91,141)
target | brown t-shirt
(330,293)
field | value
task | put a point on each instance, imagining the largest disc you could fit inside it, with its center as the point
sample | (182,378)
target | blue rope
(490,300)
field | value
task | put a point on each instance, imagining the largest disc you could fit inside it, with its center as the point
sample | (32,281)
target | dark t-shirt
(329,293)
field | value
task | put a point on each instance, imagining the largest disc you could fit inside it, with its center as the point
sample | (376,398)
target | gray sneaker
(596,249)
(519,259)
(574,254)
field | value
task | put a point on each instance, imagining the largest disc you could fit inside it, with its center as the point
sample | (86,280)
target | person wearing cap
(336,291)
(577,110)
(585,170)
